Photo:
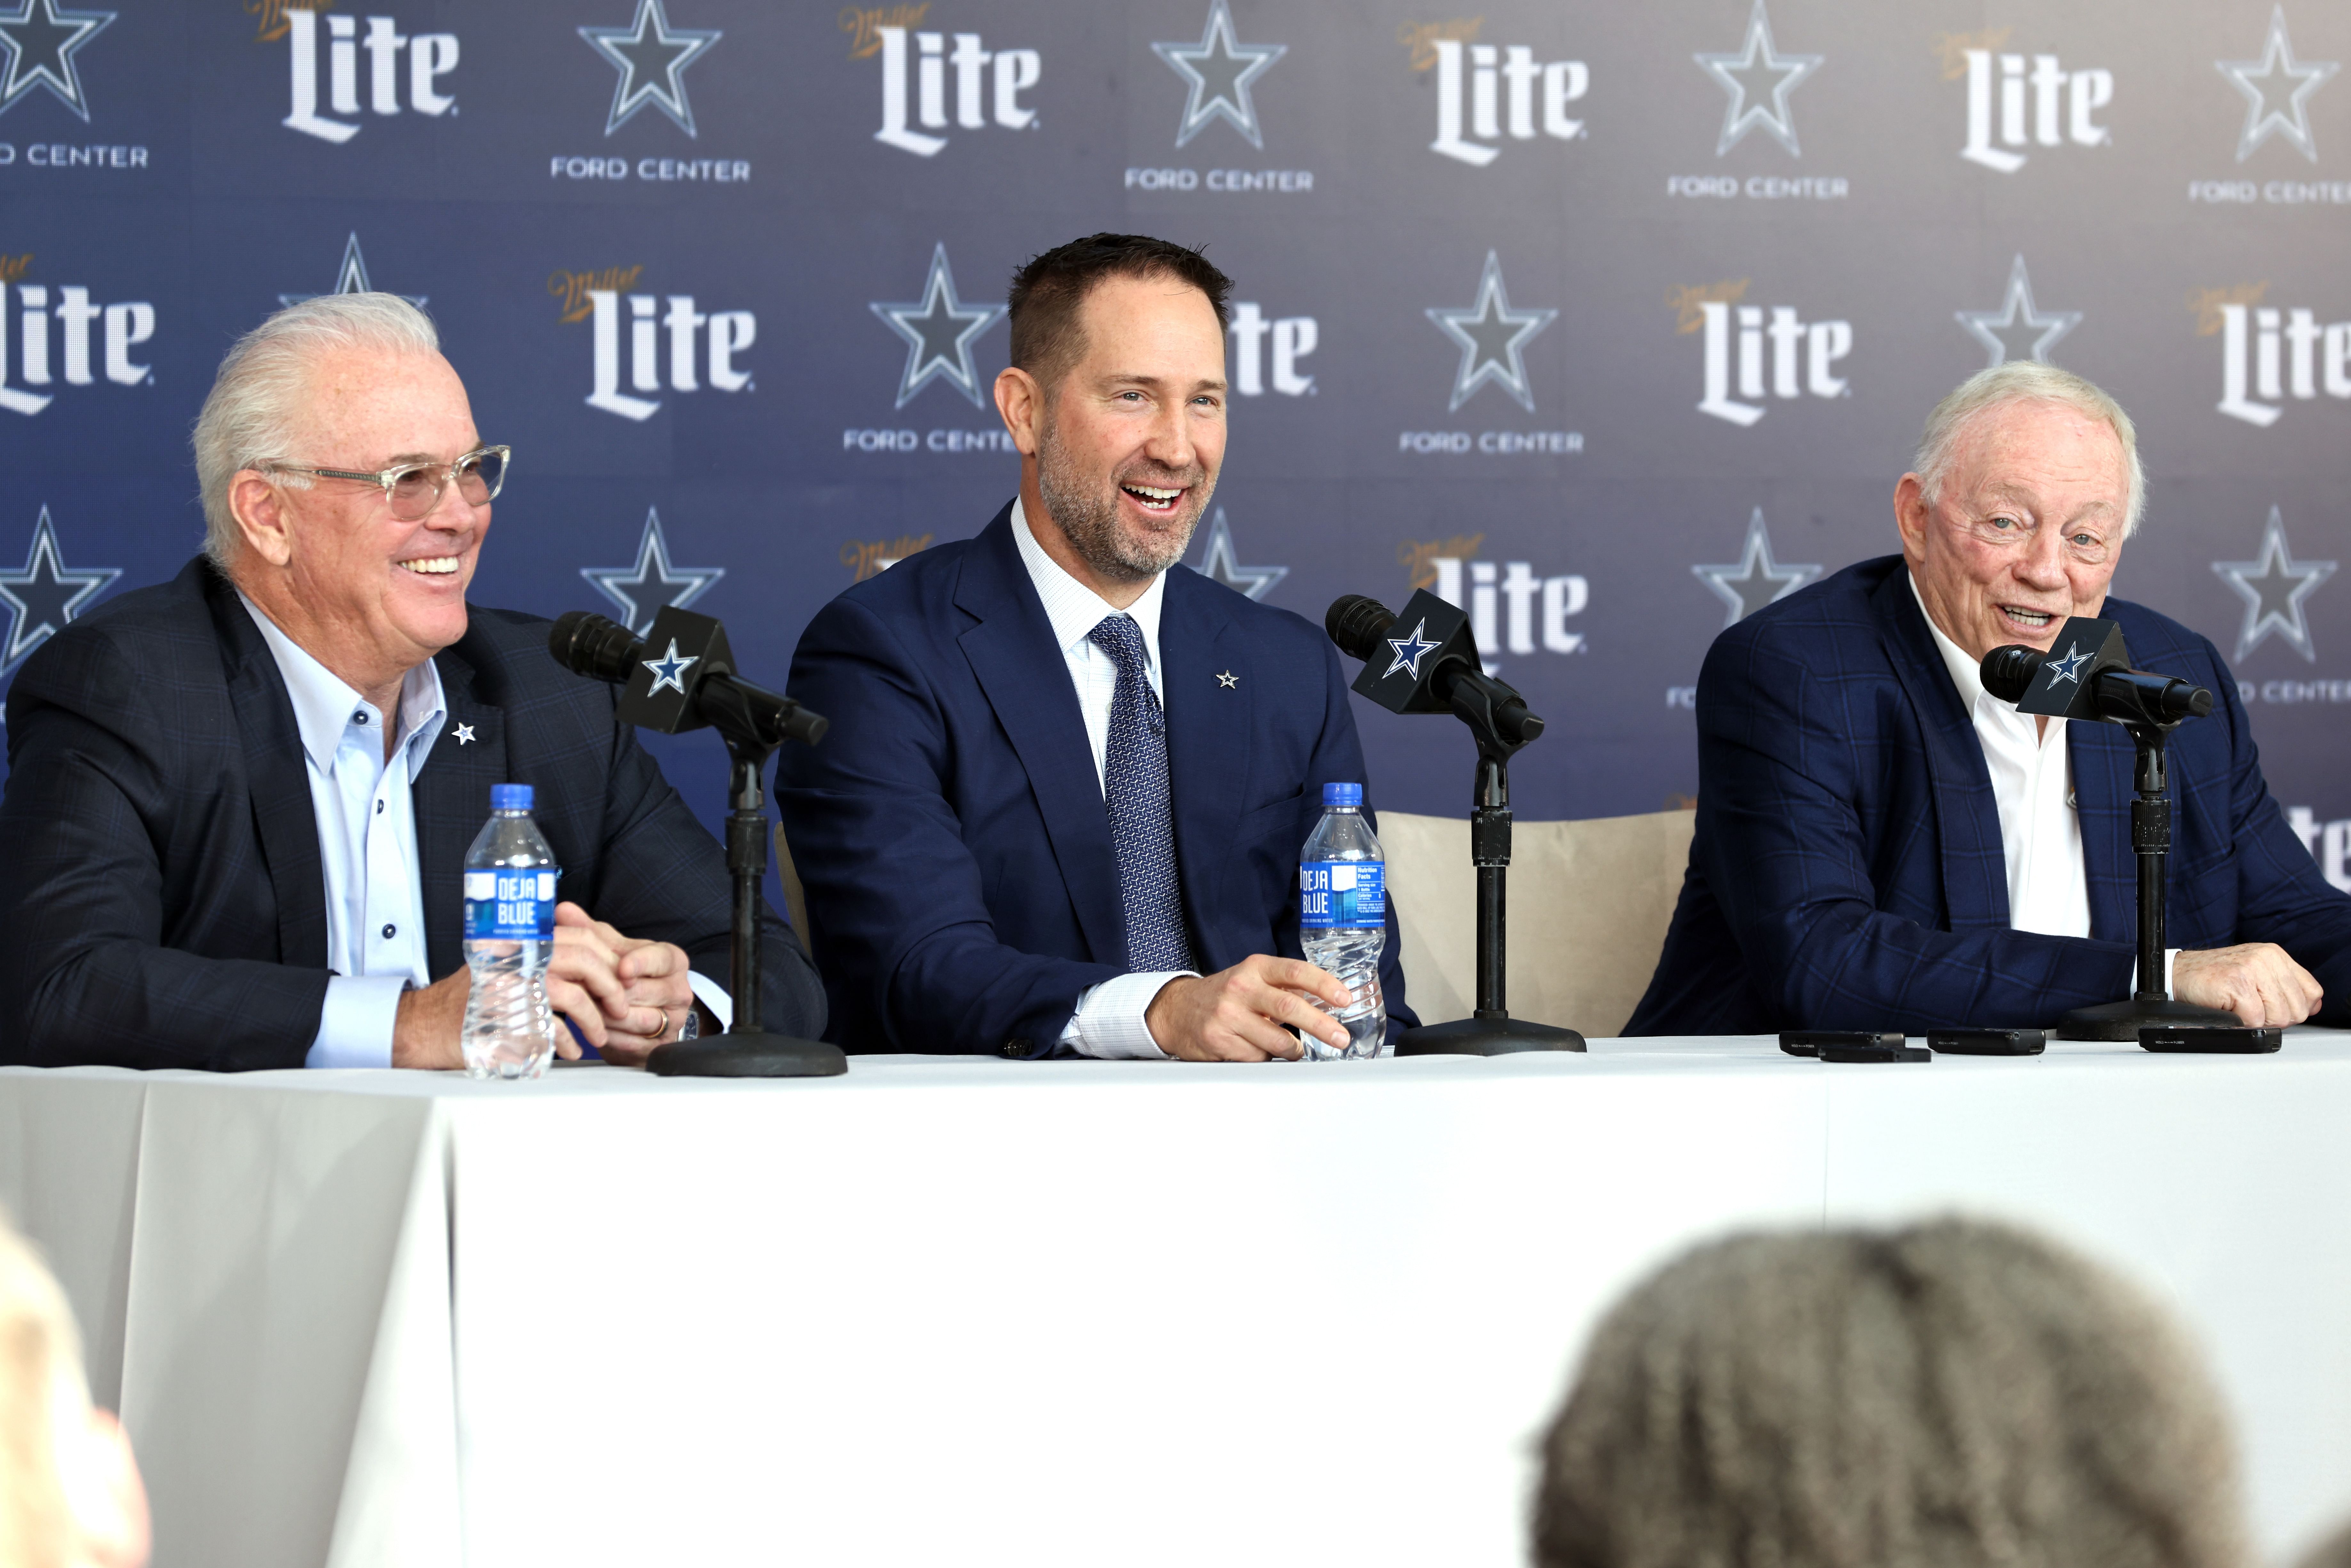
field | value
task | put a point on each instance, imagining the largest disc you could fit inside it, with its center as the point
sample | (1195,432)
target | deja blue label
(510,905)
(1341,893)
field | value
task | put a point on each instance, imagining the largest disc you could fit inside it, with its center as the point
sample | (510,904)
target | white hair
(2024,381)
(248,417)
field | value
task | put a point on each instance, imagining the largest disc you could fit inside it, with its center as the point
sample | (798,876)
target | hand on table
(627,994)
(1240,1014)
(2256,980)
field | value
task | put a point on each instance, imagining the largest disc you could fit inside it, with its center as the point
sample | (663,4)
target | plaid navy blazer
(162,903)
(1847,870)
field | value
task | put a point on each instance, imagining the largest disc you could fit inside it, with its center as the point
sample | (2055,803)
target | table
(1067,1313)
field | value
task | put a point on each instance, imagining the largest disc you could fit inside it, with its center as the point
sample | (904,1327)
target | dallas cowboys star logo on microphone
(2305,76)
(651,55)
(45,597)
(642,591)
(939,329)
(2018,329)
(1491,335)
(1219,68)
(1765,104)
(669,671)
(350,278)
(2068,665)
(1410,650)
(41,42)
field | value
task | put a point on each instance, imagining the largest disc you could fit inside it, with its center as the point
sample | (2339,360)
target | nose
(1169,442)
(2041,563)
(452,510)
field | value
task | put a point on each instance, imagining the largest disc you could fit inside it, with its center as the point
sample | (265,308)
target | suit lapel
(1966,816)
(451,800)
(1208,728)
(276,778)
(1013,656)
(2102,758)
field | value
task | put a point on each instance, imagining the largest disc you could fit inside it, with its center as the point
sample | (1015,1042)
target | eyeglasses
(413,489)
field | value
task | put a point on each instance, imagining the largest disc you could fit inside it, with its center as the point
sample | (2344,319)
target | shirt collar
(1074,609)
(1966,673)
(323,703)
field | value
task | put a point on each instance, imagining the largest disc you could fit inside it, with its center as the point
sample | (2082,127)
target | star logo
(939,329)
(352,277)
(1755,580)
(1220,566)
(1758,79)
(1228,680)
(41,42)
(2272,588)
(464,735)
(1410,650)
(2069,664)
(651,55)
(669,671)
(45,597)
(2018,329)
(1219,69)
(1491,336)
(643,590)
(2303,78)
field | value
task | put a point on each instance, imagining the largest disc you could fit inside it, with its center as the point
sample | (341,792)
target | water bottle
(1342,906)
(510,880)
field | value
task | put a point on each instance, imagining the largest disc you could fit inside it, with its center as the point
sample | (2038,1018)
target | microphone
(2091,679)
(1433,668)
(679,677)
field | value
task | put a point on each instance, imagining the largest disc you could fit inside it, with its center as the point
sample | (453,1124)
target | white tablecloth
(1063,1313)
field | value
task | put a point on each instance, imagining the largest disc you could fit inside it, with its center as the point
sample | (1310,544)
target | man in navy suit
(1883,844)
(239,803)
(1060,805)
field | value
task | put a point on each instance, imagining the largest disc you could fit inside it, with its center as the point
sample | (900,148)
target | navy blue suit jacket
(950,831)
(162,903)
(1847,870)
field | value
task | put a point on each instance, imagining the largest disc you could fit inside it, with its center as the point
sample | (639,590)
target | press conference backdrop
(1611,322)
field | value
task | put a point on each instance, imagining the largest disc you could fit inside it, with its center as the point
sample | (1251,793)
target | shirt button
(359,717)
(388,929)
(379,808)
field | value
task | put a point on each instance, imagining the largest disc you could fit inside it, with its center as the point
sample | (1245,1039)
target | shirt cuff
(713,995)
(1109,1022)
(2170,957)
(355,1027)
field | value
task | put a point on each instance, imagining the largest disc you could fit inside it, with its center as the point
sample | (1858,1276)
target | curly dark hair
(1046,293)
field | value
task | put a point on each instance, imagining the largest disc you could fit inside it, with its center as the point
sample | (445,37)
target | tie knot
(1121,638)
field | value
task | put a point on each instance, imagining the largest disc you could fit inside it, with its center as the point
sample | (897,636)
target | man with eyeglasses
(1882,843)
(239,803)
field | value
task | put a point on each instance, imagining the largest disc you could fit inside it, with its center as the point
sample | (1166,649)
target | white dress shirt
(2033,785)
(1109,1020)
(367,847)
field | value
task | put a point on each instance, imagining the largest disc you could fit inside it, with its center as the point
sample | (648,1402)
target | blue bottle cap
(512,796)
(1342,794)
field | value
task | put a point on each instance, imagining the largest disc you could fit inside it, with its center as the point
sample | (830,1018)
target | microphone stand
(2151,1005)
(1490,1030)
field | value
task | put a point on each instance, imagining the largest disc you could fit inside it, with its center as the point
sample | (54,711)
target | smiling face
(1130,439)
(368,595)
(2027,530)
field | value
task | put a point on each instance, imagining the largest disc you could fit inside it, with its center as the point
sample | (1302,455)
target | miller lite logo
(2270,352)
(426,57)
(1293,337)
(1511,611)
(988,83)
(1486,92)
(52,337)
(1762,351)
(2015,100)
(689,347)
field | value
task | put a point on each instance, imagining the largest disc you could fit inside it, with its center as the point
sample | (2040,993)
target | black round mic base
(748,1055)
(1503,1036)
(2123,1020)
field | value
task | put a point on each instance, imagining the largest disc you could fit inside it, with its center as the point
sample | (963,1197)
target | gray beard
(1089,520)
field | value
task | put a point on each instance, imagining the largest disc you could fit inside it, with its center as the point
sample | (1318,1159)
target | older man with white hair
(239,803)
(1882,843)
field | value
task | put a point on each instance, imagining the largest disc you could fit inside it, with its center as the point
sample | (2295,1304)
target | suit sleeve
(901,917)
(86,977)
(1782,753)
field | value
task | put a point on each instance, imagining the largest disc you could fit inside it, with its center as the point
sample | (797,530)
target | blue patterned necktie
(1142,814)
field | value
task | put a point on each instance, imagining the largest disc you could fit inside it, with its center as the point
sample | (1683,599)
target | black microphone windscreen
(592,645)
(1356,623)
(2007,672)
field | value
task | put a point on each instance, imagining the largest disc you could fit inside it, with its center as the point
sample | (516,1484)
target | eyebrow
(1136,378)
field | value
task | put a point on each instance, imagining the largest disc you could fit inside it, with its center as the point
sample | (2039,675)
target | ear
(1021,402)
(259,507)
(1911,514)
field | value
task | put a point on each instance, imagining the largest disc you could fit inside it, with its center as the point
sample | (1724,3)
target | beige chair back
(1589,904)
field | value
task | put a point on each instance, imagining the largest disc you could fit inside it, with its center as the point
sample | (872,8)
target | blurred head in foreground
(1952,1394)
(69,1493)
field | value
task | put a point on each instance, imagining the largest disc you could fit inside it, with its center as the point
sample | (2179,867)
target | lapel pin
(1227,679)
(464,734)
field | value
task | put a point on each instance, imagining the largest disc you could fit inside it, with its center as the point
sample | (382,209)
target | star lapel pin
(1226,678)
(464,735)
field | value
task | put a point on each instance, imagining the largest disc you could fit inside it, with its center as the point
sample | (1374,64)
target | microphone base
(2123,1020)
(1500,1036)
(747,1055)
